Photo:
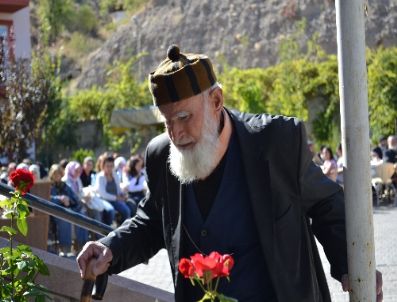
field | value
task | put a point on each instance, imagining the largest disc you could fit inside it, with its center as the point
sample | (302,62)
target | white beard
(199,162)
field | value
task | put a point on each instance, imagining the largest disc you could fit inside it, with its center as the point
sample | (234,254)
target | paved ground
(157,273)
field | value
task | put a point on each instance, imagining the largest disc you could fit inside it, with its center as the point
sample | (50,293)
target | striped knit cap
(180,76)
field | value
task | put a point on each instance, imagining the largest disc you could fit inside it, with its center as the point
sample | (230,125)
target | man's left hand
(379,283)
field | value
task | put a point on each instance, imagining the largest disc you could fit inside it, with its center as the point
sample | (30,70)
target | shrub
(80,154)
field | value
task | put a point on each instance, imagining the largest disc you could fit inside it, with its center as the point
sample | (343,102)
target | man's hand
(379,283)
(101,254)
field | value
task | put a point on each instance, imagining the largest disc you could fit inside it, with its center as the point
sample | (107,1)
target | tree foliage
(56,16)
(31,99)
(53,15)
(121,90)
(295,86)
(382,91)
(289,88)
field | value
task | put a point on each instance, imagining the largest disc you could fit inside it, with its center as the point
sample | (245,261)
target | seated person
(108,188)
(63,195)
(134,182)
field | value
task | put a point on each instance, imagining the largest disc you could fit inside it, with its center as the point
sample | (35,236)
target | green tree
(31,93)
(83,20)
(57,128)
(121,90)
(53,15)
(382,91)
(246,90)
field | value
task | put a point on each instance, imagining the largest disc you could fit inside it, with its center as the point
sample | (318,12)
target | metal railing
(66,214)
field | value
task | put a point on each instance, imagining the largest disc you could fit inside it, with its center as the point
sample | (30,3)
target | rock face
(241,33)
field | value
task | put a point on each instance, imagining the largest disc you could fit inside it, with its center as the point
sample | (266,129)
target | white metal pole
(356,148)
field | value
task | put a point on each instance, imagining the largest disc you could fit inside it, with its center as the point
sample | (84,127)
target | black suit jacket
(296,193)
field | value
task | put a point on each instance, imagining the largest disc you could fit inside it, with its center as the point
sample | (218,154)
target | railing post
(356,148)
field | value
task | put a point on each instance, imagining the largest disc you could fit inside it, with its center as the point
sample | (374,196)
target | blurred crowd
(382,160)
(110,188)
(107,190)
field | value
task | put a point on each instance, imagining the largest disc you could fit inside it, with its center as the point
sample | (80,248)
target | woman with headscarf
(63,195)
(72,178)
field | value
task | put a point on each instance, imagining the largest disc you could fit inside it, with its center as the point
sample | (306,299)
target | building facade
(14,33)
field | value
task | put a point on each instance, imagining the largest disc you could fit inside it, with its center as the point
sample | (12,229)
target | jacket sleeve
(323,202)
(141,237)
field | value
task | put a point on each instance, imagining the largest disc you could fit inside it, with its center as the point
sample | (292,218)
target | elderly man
(235,183)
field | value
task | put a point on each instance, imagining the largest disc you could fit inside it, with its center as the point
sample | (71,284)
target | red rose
(206,271)
(217,271)
(227,265)
(186,268)
(205,266)
(22,180)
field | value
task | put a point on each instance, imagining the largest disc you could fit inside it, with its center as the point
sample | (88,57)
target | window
(6,47)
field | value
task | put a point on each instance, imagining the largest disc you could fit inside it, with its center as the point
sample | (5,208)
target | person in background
(108,187)
(382,144)
(376,156)
(6,172)
(134,182)
(87,176)
(27,161)
(100,209)
(63,195)
(3,175)
(340,164)
(63,162)
(12,166)
(119,165)
(43,170)
(23,166)
(390,155)
(329,166)
(35,169)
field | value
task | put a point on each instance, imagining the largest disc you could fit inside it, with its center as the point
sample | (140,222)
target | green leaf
(4,203)
(22,226)
(43,269)
(23,210)
(8,213)
(9,230)
(24,248)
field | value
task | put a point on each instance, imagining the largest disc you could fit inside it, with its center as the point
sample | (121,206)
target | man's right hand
(99,253)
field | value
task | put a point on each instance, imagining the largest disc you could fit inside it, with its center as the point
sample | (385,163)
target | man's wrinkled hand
(98,252)
(379,283)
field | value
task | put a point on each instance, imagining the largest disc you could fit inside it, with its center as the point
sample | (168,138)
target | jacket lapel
(256,167)
(174,212)
(256,170)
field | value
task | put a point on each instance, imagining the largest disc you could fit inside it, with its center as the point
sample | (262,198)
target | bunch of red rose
(22,180)
(206,271)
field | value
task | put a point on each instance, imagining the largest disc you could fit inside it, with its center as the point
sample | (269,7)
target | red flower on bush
(203,270)
(22,180)
(186,268)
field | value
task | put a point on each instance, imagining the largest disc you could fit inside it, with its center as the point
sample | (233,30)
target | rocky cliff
(242,33)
